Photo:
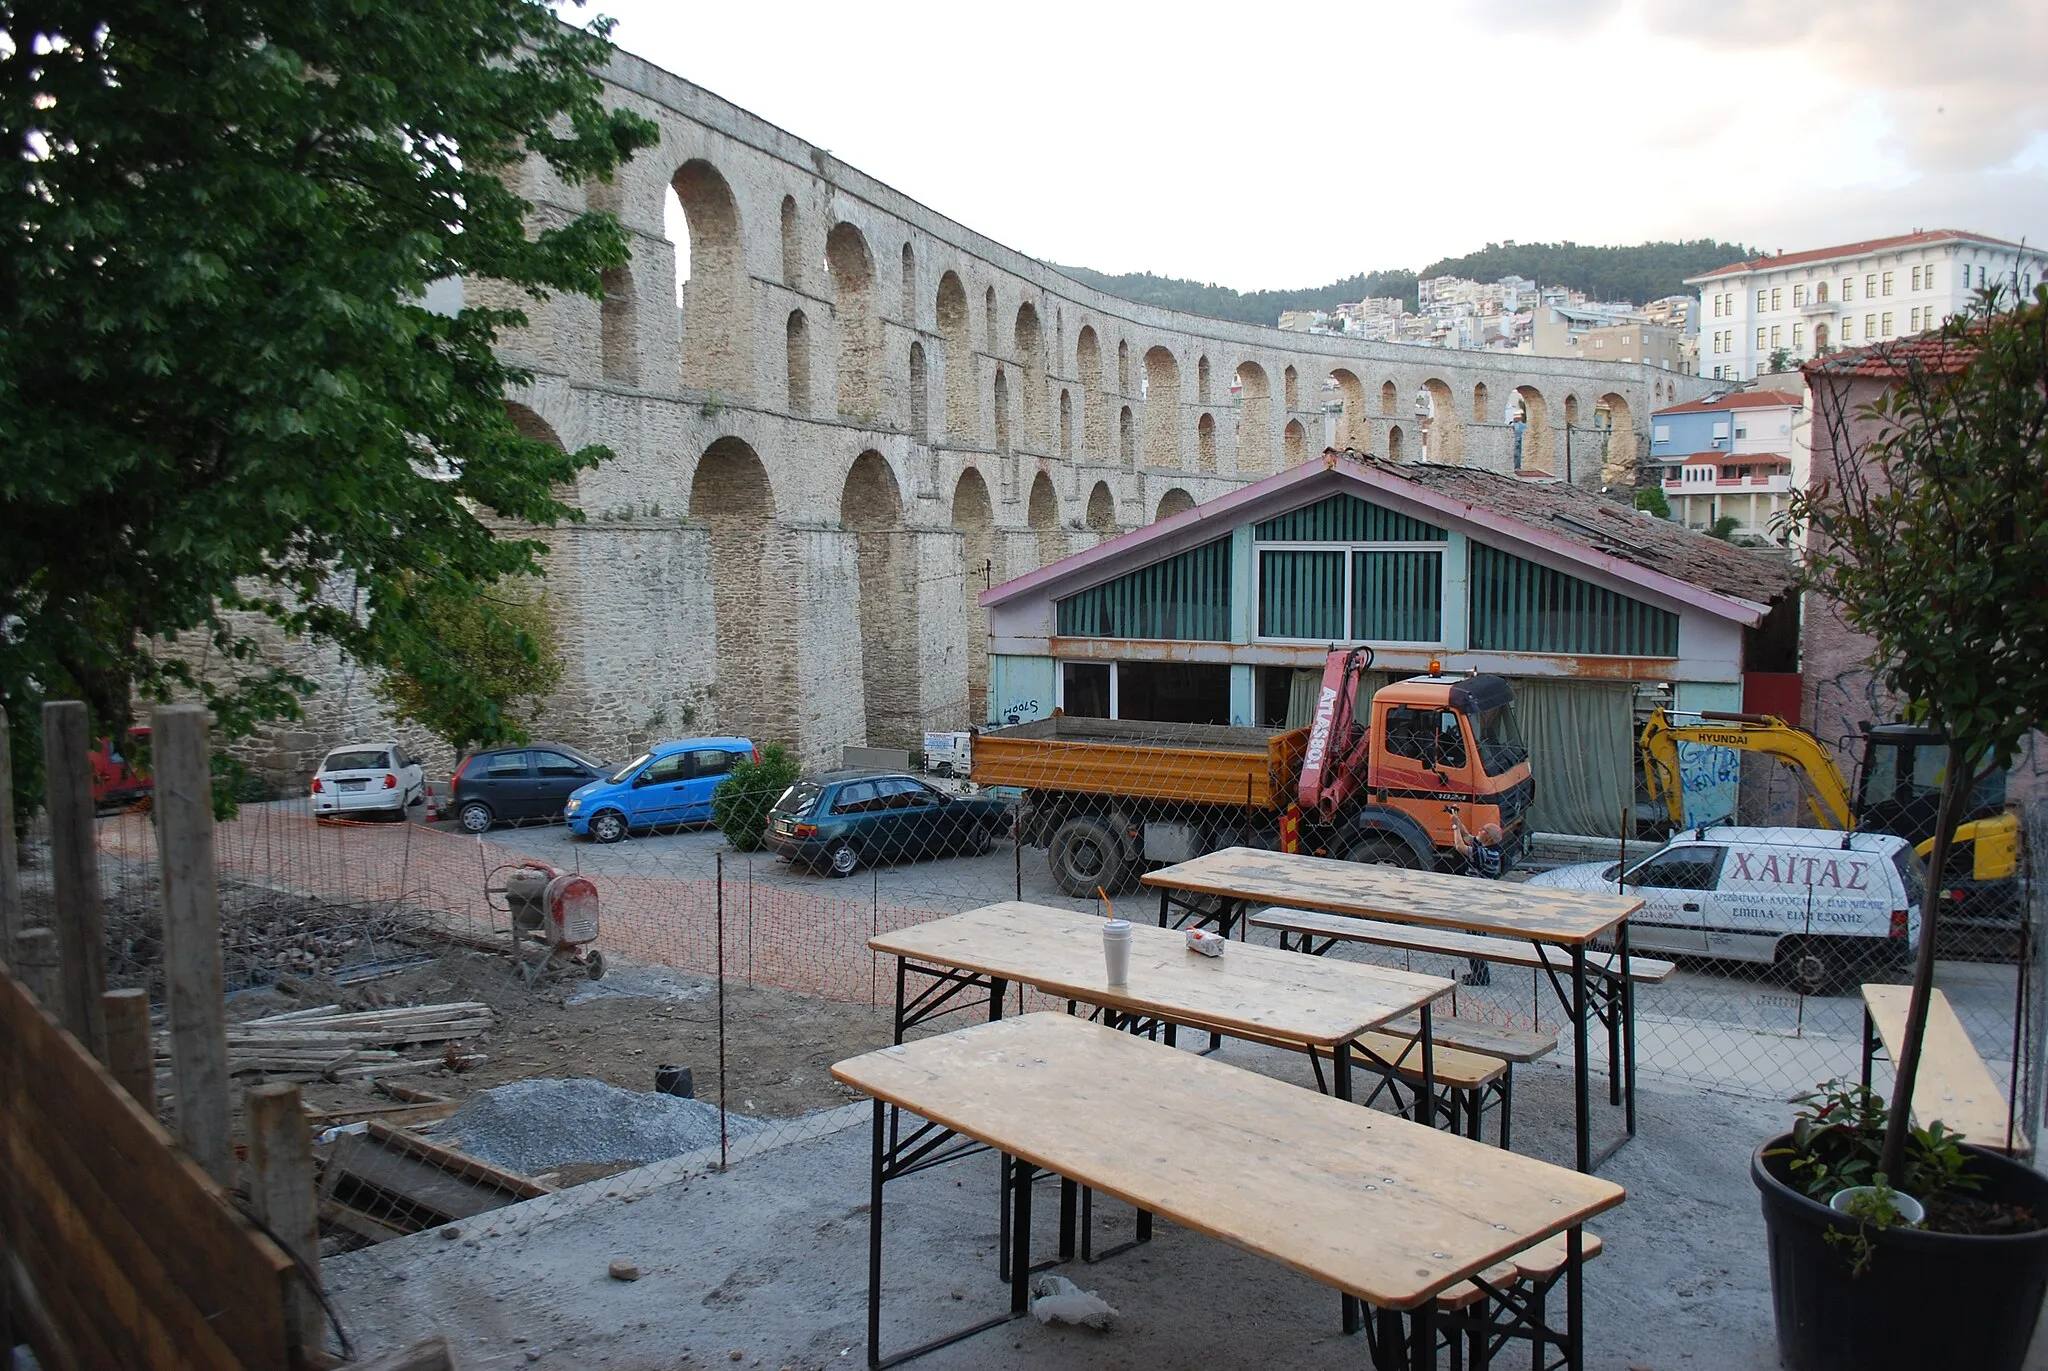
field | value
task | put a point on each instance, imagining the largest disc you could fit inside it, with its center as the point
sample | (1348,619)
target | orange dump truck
(1110,798)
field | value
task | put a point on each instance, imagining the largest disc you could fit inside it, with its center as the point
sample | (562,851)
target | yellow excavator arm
(1827,794)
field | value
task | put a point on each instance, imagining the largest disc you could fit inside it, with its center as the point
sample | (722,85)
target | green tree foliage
(225,413)
(501,642)
(1652,499)
(1930,532)
(1724,528)
(741,803)
(1644,272)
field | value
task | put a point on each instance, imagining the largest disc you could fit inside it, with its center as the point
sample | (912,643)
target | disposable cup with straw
(1116,943)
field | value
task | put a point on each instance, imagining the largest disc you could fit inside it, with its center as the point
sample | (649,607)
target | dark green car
(843,820)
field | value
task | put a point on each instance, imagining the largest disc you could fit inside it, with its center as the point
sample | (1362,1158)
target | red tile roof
(1741,399)
(1895,356)
(1793,259)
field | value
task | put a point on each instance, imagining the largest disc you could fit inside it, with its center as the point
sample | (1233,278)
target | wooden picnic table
(1387,1211)
(1219,886)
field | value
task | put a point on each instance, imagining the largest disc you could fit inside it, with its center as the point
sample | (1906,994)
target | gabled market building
(1226,613)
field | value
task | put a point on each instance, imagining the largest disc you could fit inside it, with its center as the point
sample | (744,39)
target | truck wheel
(1382,852)
(1084,854)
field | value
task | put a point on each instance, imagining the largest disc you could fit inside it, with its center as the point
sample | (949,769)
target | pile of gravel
(534,1126)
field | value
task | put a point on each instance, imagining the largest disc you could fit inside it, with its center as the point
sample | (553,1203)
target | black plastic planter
(1927,1299)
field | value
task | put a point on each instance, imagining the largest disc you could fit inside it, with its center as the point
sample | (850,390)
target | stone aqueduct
(863,413)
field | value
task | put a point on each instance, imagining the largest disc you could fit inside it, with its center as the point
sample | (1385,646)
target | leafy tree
(1724,528)
(1780,360)
(1931,533)
(1652,499)
(741,803)
(226,412)
(503,642)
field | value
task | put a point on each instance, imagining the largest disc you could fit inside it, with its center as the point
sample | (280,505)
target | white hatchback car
(367,778)
(1829,909)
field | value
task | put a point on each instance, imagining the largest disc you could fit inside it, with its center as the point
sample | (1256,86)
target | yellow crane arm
(1828,793)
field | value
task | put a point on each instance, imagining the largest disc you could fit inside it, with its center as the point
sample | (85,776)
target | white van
(1830,909)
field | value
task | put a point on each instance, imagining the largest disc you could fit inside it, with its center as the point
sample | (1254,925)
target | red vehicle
(120,775)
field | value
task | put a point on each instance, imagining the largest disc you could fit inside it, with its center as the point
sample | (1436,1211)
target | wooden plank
(78,916)
(36,959)
(1249,990)
(1512,951)
(1483,1038)
(192,971)
(432,1194)
(1543,914)
(282,1192)
(1954,1085)
(1381,1208)
(1455,1068)
(228,1269)
(457,1163)
(131,1056)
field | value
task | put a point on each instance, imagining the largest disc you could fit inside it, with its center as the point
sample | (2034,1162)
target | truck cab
(1451,741)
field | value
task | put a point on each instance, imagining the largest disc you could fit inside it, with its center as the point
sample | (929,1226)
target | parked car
(842,820)
(668,785)
(367,778)
(117,779)
(509,785)
(1828,909)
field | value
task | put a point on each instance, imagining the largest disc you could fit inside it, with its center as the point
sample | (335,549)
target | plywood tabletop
(1249,989)
(1378,1207)
(1954,1085)
(1539,913)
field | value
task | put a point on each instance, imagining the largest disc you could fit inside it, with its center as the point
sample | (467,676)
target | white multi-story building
(1807,303)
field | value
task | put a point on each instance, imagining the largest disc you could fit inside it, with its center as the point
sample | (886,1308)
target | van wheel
(1383,852)
(1084,854)
(1823,966)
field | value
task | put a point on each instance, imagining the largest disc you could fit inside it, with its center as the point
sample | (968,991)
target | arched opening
(1349,429)
(1123,369)
(1443,435)
(871,507)
(792,246)
(1292,394)
(1002,399)
(853,295)
(1394,443)
(1205,442)
(675,226)
(1126,438)
(1162,408)
(1618,441)
(1390,399)
(1175,501)
(920,397)
(1479,403)
(717,337)
(798,349)
(618,344)
(1043,514)
(530,425)
(1094,412)
(1029,339)
(1820,337)
(1254,418)
(1202,380)
(1066,423)
(1534,443)
(756,662)
(1296,443)
(1571,410)
(961,402)
(988,322)
(1102,511)
(974,516)
(909,300)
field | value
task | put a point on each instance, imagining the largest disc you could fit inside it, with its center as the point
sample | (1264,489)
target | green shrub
(1652,499)
(741,803)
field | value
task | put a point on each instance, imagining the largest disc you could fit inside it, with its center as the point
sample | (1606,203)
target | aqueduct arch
(1044,517)
(1538,451)
(1254,418)
(1162,408)
(1446,430)
(716,329)
(963,404)
(860,337)
(975,518)
(1175,501)
(1094,409)
(1029,339)
(1618,465)
(755,671)
(1351,428)
(871,508)
(1102,511)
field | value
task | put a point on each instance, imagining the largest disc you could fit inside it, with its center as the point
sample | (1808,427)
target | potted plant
(1927,527)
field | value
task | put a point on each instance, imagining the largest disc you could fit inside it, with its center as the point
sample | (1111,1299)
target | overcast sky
(1279,144)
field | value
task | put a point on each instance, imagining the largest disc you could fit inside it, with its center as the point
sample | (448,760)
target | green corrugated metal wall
(1397,597)
(1301,595)
(1345,519)
(1518,606)
(1184,598)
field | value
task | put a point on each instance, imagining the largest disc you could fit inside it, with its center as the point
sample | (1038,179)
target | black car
(509,785)
(843,820)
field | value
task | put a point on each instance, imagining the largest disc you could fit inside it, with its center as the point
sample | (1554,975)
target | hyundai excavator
(1899,792)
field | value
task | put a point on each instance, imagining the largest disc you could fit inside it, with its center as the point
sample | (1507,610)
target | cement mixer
(556,909)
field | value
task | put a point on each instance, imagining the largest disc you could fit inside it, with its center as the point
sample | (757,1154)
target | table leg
(1422,1336)
(1574,1294)
(1165,906)
(1869,1045)
(1628,1026)
(1429,1065)
(1340,1088)
(902,973)
(996,990)
(1582,1083)
(1020,1228)
(1070,1199)
(875,1243)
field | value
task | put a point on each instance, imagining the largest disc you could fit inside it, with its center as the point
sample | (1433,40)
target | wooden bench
(1953,1084)
(1336,928)
(1465,1079)
(1476,1328)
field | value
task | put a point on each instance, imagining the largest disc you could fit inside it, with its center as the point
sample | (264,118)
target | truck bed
(1191,763)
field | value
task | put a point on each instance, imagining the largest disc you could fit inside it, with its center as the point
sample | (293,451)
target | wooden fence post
(74,869)
(10,858)
(35,965)
(131,1055)
(282,1194)
(183,801)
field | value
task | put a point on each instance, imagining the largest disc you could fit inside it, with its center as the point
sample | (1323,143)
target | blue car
(668,785)
(842,820)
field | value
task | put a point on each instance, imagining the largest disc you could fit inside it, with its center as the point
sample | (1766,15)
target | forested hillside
(1641,273)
